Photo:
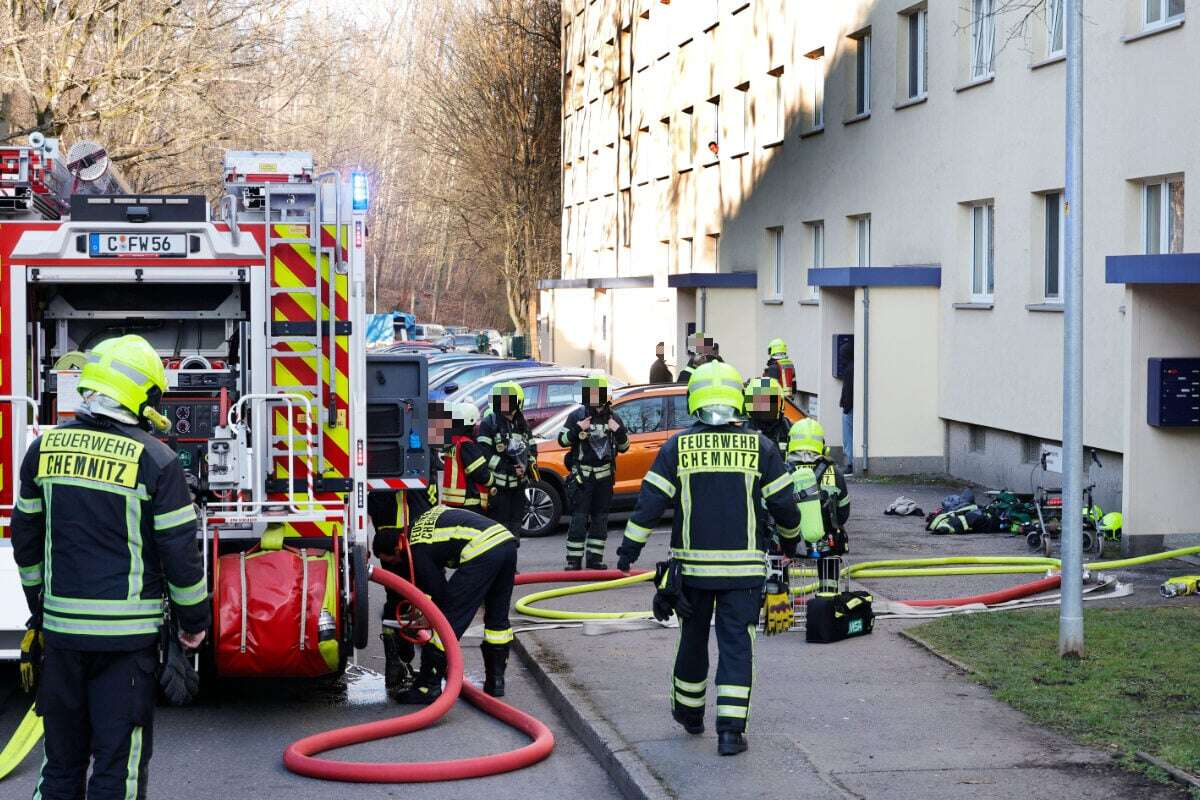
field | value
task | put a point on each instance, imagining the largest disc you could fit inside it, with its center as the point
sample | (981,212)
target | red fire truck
(259,318)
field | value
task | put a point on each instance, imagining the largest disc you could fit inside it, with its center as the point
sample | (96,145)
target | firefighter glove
(179,682)
(623,563)
(32,645)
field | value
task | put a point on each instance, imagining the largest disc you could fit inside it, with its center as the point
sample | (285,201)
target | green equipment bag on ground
(833,617)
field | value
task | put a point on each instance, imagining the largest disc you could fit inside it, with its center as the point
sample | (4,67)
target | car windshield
(464,339)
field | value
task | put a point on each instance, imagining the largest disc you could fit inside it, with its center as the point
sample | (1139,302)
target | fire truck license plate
(140,245)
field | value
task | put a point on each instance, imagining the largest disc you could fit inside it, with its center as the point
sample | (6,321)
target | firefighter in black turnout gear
(104,534)
(764,408)
(716,476)
(505,436)
(595,435)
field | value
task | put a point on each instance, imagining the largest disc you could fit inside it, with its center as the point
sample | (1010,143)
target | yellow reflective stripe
(788,533)
(740,571)
(103,608)
(773,488)
(189,595)
(493,536)
(688,686)
(173,519)
(30,576)
(660,483)
(498,637)
(102,627)
(436,641)
(476,464)
(483,440)
(636,533)
(717,555)
(134,764)
(752,512)
(685,700)
(735,712)
(739,692)
(29,505)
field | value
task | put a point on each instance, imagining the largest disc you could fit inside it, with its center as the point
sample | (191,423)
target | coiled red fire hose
(301,758)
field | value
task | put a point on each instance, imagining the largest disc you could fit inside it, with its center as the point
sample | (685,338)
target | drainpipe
(702,312)
(866,379)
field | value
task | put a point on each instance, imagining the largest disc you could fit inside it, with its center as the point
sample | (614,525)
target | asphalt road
(233,747)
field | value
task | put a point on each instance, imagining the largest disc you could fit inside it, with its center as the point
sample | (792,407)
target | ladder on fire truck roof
(295,340)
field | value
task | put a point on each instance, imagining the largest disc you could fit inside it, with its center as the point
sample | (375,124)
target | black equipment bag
(833,617)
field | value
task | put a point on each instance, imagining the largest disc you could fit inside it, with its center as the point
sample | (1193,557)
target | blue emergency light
(360,195)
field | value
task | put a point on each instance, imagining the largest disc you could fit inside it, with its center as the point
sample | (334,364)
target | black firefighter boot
(428,685)
(397,661)
(730,743)
(495,659)
(595,562)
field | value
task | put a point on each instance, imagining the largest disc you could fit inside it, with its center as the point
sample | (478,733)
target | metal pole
(1070,621)
(375,283)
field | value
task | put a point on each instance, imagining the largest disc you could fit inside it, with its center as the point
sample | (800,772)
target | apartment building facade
(894,171)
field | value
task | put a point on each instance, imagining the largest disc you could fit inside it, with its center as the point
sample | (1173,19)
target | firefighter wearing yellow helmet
(594,434)
(103,531)
(505,437)
(780,367)
(764,410)
(716,476)
(807,453)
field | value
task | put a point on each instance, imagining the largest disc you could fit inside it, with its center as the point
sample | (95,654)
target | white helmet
(465,414)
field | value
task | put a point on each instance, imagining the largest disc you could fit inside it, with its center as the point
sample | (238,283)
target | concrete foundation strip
(1186,778)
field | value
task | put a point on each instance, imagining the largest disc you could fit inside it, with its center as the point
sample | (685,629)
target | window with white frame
(862,235)
(1055,26)
(777,114)
(1162,218)
(712,128)
(1054,246)
(1160,12)
(687,138)
(775,253)
(739,118)
(862,73)
(816,232)
(918,53)
(816,68)
(713,240)
(643,153)
(983,252)
(983,37)
(686,255)
(664,147)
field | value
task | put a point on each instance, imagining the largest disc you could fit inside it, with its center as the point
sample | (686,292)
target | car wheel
(543,510)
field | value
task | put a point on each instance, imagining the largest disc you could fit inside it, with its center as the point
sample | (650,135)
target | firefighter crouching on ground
(505,436)
(103,529)
(764,408)
(595,435)
(717,476)
(483,555)
(780,367)
(806,450)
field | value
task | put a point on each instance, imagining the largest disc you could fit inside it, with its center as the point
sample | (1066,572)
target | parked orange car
(651,413)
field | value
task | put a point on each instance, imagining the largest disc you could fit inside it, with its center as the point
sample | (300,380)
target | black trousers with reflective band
(97,705)
(590,501)
(737,622)
(507,506)
(487,580)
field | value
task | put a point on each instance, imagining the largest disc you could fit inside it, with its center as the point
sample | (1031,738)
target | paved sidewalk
(876,717)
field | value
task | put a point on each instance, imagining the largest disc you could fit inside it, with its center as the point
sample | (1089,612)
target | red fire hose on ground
(301,757)
(992,598)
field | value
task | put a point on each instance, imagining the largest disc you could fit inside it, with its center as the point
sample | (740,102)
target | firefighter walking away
(716,476)
(595,435)
(104,533)
(780,367)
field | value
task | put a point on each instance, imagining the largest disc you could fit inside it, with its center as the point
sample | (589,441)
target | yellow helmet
(128,370)
(715,384)
(764,387)
(777,347)
(808,436)
(509,388)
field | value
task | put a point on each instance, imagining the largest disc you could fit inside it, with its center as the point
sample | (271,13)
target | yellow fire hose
(895,568)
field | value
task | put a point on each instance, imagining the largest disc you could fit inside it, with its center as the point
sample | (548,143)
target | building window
(862,235)
(687,139)
(1054,246)
(983,252)
(686,255)
(713,240)
(983,37)
(775,240)
(816,231)
(1031,450)
(1160,12)
(777,114)
(712,127)
(1162,202)
(862,73)
(643,152)
(976,438)
(626,218)
(664,256)
(816,67)
(918,53)
(1055,42)
(664,147)
(739,116)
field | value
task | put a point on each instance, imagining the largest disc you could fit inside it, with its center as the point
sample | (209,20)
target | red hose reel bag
(278,614)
